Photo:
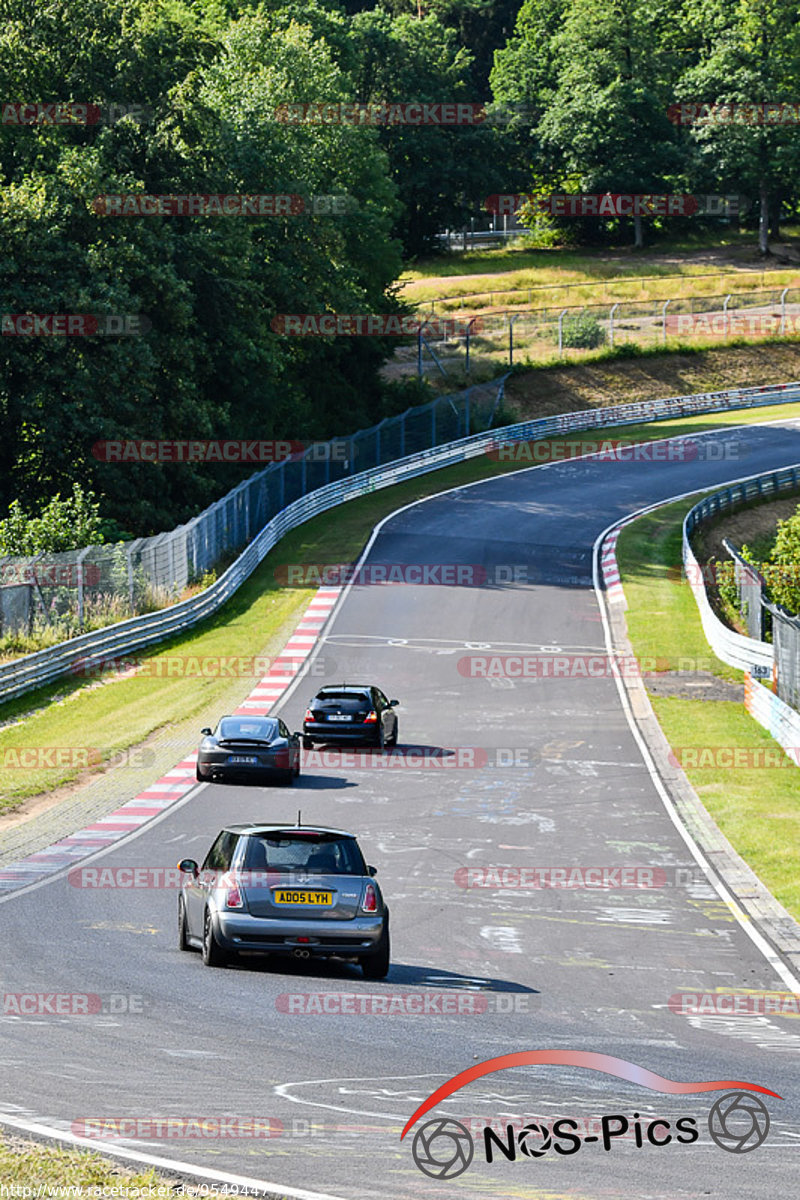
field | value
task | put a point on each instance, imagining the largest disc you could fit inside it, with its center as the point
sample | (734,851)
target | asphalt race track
(542,969)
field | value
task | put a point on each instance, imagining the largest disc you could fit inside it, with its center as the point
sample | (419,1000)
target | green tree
(743,53)
(606,121)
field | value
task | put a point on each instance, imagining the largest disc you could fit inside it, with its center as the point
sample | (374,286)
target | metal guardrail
(73,591)
(81,653)
(744,653)
(779,719)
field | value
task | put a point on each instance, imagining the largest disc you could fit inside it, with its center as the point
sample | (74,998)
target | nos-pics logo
(443,1148)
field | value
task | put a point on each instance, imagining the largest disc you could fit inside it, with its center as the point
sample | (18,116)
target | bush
(583,332)
(67,524)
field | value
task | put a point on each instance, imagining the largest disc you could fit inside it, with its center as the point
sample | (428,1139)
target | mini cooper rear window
(317,856)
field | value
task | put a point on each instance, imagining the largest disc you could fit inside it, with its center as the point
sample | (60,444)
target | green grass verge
(758,808)
(28,1164)
(590,263)
(114,716)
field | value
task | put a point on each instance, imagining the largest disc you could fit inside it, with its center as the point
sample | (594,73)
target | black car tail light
(371,718)
(309,715)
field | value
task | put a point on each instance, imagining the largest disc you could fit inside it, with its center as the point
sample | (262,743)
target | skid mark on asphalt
(758,1030)
(120,927)
(636,927)
(503,937)
(452,646)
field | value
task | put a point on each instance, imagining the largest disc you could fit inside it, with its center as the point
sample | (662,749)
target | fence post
(511,337)
(469,332)
(783,310)
(433,423)
(664,320)
(611,325)
(81,556)
(562,314)
(419,349)
(725,303)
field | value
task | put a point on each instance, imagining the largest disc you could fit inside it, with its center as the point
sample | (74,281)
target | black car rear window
(361,698)
(317,855)
(248,727)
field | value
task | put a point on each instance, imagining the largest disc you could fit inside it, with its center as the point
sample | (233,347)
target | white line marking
(167,1164)
(722,891)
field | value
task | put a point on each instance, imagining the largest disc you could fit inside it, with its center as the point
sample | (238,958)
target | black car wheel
(392,741)
(213,954)
(376,964)
(308,744)
(183,941)
(200,778)
(287,778)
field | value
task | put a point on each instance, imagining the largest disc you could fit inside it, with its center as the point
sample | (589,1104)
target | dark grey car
(249,748)
(284,889)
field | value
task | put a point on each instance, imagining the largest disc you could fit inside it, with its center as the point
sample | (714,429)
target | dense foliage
(596,79)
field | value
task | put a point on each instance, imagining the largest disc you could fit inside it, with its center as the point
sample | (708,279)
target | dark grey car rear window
(248,727)
(321,856)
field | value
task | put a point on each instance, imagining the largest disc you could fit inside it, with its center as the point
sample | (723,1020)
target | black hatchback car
(254,748)
(284,889)
(353,713)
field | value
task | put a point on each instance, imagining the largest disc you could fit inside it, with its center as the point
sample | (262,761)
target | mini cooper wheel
(183,940)
(376,964)
(213,954)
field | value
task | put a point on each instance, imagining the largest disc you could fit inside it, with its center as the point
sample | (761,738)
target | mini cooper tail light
(233,898)
(371,717)
(370,902)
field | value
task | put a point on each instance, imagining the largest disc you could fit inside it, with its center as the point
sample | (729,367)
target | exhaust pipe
(301,953)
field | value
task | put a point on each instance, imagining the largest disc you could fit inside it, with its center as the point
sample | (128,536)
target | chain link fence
(786,640)
(540,334)
(59,595)
(750,592)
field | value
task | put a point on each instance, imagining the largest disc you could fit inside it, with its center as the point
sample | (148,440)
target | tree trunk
(775,220)
(638,240)
(763,220)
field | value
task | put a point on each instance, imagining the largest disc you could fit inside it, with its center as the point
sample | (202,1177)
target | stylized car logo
(738,1122)
(443,1149)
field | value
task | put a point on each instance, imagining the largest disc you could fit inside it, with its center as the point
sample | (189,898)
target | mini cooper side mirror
(188,866)
(373,871)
